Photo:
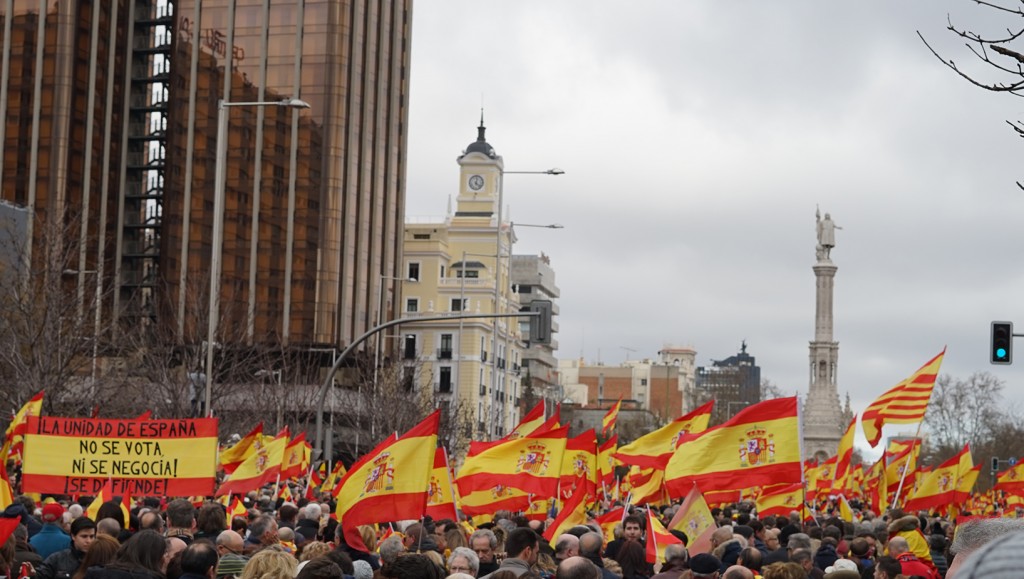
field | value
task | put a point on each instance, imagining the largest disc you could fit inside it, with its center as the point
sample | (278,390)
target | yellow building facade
(461,265)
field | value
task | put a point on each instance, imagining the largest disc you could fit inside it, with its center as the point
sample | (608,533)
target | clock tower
(479,178)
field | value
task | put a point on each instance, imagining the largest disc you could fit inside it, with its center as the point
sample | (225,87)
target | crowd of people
(176,539)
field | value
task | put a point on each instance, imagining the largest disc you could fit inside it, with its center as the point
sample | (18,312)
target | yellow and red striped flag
(606,465)
(1011,479)
(781,500)
(844,458)
(233,456)
(237,509)
(494,499)
(296,457)
(391,484)
(14,437)
(941,487)
(334,478)
(530,422)
(653,450)
(905,461)
(6,491)
(695,520)
(579,465)
(106,493)
(286,493)
(531,464)
(609,419)
(648,487)
(757,447)
(261,467)
(574,512)
(440,497)
(658,539)
(904,403)
(609,520)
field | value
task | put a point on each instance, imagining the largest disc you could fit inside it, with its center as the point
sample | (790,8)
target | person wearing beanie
(51,537)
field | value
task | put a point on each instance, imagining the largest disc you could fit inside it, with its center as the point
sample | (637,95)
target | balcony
(443,387)
(483,390)
(444,353)
(409,354)
(501,363)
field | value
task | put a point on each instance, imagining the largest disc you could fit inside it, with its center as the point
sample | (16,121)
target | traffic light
(1002,343)
(540,326)
(995,464)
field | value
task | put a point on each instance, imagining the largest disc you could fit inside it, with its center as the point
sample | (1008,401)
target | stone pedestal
(823,423)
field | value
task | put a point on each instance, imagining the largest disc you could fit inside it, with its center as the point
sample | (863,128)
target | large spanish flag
(574,512)
(610,418)
(759,446)
(695,520)
(940,487)
(233,456)
(440,498)
(531,464)
(904,403)
(579,465)
(844,458)
(497,498)
(1011,479)
(657,539)
(606,465)
(653,450)
(261,467)
(392,484)
(296,457)
(781,501)
(14,437)
(362,460)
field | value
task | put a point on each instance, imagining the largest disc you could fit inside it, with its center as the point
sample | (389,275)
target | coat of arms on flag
(382,476)
(758,447)
(534,459)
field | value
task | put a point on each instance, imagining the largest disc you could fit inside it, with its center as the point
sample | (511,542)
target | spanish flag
(14,437)
(825,473)
(236,509)
(392,484)
(608,422)
(332,479)
(233,456)
(574,512)
(106,493)
(579,465)
(530,422)
(781,501)
(905,461)
(658,539)
(941,487)
(759,446)
(845,512)
(904,403)
(361,461)
(649,487)
(531,464)
(695,520)
(654,449)
(533,429)
(6,491)
(286,493)
(497,498)
(261,467)
(296,457)
(1011,479)
(606,464)
(440,498)
(609,521)
(844,458)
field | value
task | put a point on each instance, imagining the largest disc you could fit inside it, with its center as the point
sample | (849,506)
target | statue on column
(826,235)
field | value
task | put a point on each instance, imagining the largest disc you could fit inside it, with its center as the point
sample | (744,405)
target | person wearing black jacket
(590,549)
(64,563)
(140,557)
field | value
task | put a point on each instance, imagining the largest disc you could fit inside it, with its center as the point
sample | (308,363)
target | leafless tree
(963,411)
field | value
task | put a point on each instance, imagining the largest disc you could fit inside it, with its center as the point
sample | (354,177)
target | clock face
(476,182)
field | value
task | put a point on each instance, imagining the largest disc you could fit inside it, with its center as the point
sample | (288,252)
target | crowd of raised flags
(538,470)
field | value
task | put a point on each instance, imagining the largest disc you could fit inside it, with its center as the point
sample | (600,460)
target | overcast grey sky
(697,138)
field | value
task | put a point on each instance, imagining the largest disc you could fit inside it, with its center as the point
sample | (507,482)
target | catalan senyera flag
(609,419)
(6,491)
(391,485)
(757,447)
(579,465)
(296,457)
(657,539)
(574,512)
(440,497)
(530,422)
(904,403)
(233,456)
(261,467)
(531,464)
(940,487)
(695,520)
(609,520)
(492,500)
(236,509)
(106,493)
(781,501)
(606,464)
(14,437)
(653,450)
(844,458)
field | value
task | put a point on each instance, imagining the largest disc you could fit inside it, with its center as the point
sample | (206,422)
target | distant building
(733,383)
(534,280)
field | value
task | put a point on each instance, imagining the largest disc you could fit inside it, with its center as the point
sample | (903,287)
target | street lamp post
(217,242)
(497,282)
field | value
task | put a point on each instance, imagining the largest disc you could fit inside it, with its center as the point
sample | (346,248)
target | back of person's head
(590,544)
(973,534)
(320,568)
(142,551)
(390,549)
(633,559)
(342,560)
(288,512)
(212,519)
(199,558)
(890,567)
(577,568)
(834,532)
(108,526)
(859,547)
(412,566)
(799,541)
(181,514)
(362,570)
(111,510)
(800,556)
(751,557)
(270,564)
(312,511)
(998,559)
(520,539)
(100,554)
(676,553)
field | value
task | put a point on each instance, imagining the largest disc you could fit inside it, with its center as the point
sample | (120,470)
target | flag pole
(903,477)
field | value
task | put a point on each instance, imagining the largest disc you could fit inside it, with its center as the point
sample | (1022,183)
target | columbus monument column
(824,420)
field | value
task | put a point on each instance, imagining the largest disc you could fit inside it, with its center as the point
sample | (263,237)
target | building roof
(480,145)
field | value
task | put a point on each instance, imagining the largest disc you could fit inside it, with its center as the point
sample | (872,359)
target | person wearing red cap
(51,538)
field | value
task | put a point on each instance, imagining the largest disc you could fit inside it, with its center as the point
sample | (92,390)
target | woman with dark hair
(100,554)
(141,557)
(211,520)
(633,559)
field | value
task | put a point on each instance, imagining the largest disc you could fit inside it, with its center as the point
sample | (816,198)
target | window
(444,384)
(469,273)
(445,351)
(460,304)
(643,381)
(413,271)
(412,305)
(409,347)
(421,236)
(442,272)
